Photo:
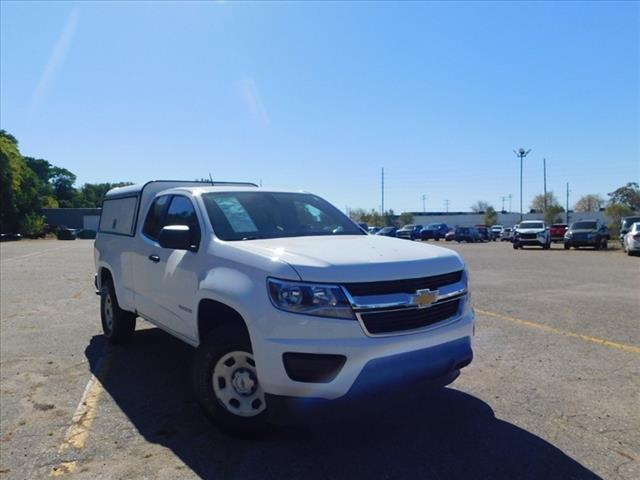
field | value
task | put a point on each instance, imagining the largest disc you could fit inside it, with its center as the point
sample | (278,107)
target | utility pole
(544,169)
(510,196)
(446,205)
(424,203)
(521,153)
(382,194)
(503,199)
(567,221)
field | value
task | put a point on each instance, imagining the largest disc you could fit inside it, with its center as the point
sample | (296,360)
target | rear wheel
(118,325)
(226,383)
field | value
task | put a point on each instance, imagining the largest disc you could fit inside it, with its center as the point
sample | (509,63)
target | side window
(153,222)
(181,212)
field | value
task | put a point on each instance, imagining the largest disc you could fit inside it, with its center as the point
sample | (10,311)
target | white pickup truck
(284,297)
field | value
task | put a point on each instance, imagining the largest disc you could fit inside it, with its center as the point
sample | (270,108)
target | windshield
(255,215)
(530,225)
(627,222)
(433,226)
(584,226)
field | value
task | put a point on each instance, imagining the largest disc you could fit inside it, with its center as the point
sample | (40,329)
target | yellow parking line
(558,331)
(82,420)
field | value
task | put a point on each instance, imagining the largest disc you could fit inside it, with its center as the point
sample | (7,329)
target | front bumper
(530,242)
(363,354)
(582,242)
(385,379)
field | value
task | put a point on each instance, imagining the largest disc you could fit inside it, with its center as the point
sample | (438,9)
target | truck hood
(356,258)
(531,230)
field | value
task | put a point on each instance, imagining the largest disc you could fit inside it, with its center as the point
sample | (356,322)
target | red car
(557,231)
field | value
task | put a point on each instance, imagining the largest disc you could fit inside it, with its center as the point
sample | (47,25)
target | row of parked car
(583,233)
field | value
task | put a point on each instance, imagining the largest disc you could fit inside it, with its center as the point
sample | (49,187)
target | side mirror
(177,237)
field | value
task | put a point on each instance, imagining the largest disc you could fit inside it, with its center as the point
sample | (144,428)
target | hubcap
(236,386)
(108,312)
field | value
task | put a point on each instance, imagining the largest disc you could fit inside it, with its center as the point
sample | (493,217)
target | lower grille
(528,236)
(389,321)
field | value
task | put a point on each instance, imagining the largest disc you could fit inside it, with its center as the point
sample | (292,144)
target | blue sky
(320,96)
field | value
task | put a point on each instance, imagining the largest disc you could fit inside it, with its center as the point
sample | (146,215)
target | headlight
(309,299)
(589,236)
(567,235)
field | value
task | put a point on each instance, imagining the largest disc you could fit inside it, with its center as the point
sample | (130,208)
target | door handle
(154,258)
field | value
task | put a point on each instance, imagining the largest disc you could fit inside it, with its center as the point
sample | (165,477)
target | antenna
(210,178)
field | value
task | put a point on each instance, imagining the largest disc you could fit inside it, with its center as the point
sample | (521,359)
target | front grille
(410,285)
(528,236)
(389,321)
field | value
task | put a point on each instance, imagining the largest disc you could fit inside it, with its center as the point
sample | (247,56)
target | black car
(409,232)
(468,234)
(434,231)
(586,233)
(387,231)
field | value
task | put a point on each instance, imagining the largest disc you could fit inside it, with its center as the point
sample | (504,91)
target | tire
(546,246)
(118,325)
(567,246)
(605,244)
(598,245)
(515,246)
(223,367)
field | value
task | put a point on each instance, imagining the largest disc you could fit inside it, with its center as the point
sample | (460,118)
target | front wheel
(567,246)
(118,325)
(226,384)
(515,246)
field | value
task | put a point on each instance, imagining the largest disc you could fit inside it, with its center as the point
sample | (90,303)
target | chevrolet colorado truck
(285,299)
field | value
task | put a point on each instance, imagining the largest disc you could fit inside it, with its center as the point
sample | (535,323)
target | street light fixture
(521,153)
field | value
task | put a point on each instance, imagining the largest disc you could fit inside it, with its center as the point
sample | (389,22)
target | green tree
(537,203)
(19,186)
(480,206)
(62,181)
(553,214)
(615,212)
(589,203)
(406,218)
(490,216)
(90,195)
(628,195)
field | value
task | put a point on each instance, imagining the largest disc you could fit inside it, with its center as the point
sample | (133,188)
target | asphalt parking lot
(553,392)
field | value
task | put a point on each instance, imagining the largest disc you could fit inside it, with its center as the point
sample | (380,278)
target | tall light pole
(424,203)
(521,153)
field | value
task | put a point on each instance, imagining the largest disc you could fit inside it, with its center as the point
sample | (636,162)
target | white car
(631,240)
(497,231)
(532,233)
(285,298)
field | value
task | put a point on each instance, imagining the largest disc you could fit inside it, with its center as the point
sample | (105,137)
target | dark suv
(586,233)
(434,231)
(467,234)
(409,232)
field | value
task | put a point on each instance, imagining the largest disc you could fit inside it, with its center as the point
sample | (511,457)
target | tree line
(27,185)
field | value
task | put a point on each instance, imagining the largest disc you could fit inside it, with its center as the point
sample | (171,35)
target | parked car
(507,235)
(280,294)
(10,237)
(409,232)
(67,233)
(388,231)
(374,230)
(485,233)
(625,226)
(586,233)
(467,234)
(434,231)
(557,231)
(532,233)
(631,242)
(497,230)
(450,235)
(363,226)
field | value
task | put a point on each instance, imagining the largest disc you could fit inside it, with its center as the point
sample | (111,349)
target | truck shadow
(451,435)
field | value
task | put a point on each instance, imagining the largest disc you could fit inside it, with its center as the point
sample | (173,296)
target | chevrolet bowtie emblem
(424,298)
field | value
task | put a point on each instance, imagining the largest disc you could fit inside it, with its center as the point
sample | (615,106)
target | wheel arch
(213,315)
